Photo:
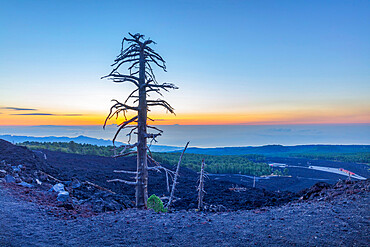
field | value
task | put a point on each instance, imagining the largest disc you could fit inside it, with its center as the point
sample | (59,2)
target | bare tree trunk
(142,165)
(175,178)
(201,187)
(139,56)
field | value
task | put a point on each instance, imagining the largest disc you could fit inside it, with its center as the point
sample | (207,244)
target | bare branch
(153,59)
(152,127)
(131,95)
(129,146)
(125,154)
(122,125)
(117,75)
(130,133)
(160,102)
(99,187)
(164,86)
(175,178)
(122,181)
(126,58)
(152,136)
(201,187)
(126,172)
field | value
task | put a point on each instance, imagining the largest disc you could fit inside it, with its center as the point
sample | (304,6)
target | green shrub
(155,203)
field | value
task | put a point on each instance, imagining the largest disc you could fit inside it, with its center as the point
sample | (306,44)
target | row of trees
(343,157)
(250,164)
(220,164)
(71,147)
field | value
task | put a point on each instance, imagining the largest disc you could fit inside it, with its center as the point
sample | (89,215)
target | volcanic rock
(9,179)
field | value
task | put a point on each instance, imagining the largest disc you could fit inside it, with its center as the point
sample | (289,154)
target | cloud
(17,109)
(33,114)
(69,115)
(46,114)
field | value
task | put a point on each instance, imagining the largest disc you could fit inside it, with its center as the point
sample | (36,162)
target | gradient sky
(236,62)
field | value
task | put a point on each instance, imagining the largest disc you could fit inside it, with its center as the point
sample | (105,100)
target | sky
(235,62)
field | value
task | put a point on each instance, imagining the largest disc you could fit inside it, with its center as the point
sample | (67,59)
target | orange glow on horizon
(195,119)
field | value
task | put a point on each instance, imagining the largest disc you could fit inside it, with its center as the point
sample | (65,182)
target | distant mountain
(268,150)
(279,150)
(81,140)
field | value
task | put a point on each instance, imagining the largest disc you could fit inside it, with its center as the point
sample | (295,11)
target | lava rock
(16,169)
(24,184)
(75,183)
(9,179)
(2,173)
(63,196)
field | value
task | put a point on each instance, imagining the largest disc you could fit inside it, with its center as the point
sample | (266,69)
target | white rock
(59,187)
(63,196)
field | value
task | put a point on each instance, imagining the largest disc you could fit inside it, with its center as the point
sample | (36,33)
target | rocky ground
(35,210)
(340,221)
(84,178)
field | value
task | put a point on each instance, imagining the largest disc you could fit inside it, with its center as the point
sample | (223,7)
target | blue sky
(247,61)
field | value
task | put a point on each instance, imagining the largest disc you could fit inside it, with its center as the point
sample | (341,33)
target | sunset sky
(235,62)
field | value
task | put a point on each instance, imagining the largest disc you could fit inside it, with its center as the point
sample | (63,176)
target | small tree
(139,57)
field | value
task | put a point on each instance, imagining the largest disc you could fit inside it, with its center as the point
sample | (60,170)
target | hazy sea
(218,135)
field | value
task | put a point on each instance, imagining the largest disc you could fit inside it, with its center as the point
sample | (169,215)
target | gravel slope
(343,222)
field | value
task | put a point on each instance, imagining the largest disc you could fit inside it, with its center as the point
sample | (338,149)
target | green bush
(155,203)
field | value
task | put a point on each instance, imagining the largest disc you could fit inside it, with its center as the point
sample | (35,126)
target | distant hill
(79,139)
(268,150)
(279,150)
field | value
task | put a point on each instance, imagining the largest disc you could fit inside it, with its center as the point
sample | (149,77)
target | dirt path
(343,223)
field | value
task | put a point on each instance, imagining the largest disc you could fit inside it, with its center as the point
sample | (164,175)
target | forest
(251,164)
(343,157)
(70,147)
(248,164)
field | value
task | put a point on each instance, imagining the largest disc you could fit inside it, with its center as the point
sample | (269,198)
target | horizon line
(237,124)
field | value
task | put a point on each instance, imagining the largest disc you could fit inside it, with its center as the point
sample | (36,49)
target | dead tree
(201,190)
(175,177)
(139,58)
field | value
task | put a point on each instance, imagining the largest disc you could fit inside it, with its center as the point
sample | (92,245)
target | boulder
(75,183)
(16,169)
(2,173)
(24,184)
(9,179)
(22,167)
(59,187)
(63,196)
